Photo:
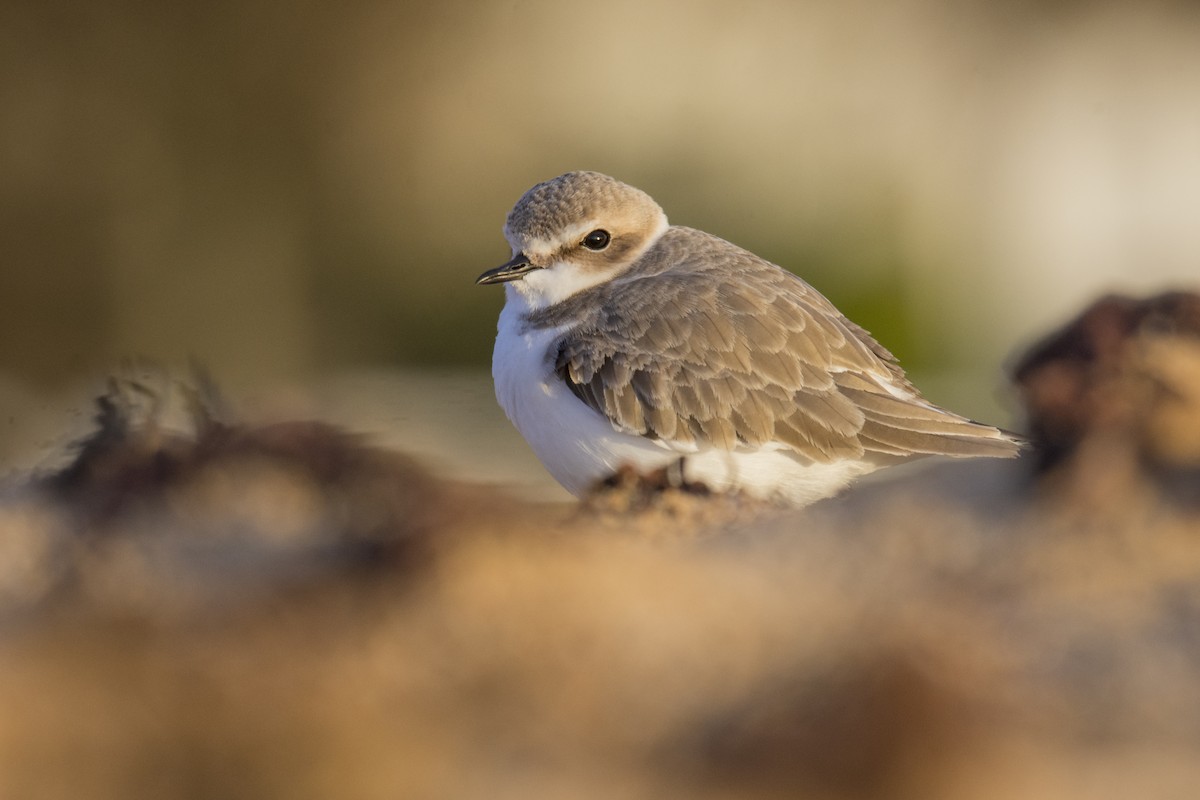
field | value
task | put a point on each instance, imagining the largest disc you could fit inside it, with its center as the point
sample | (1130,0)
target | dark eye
(597,240)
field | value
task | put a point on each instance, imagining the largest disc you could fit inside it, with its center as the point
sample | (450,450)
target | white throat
(545,287)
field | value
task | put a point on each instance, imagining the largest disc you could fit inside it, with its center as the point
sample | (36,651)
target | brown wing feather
(736,351)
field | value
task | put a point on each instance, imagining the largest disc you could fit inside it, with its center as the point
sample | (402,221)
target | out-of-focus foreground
(197,607)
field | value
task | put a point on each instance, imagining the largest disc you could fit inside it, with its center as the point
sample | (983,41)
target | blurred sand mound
(201,608)
(1113,399)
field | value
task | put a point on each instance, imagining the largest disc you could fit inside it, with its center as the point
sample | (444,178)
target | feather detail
(704,343)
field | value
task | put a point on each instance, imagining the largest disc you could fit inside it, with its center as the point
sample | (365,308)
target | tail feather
(959,437)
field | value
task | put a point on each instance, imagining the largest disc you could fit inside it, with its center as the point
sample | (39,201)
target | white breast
(576,444)
(579,446)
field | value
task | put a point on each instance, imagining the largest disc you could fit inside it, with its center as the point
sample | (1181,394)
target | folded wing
(735,352)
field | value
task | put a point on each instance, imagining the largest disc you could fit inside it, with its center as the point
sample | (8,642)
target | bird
(626,342)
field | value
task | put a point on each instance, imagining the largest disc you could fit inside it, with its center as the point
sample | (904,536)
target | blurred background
(299,196)
(294,193)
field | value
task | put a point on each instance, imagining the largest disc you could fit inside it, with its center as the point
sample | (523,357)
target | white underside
(579,446)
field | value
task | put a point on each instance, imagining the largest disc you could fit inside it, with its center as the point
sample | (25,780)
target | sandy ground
(201,602)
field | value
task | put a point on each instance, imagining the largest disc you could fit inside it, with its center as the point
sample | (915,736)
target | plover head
(574,232)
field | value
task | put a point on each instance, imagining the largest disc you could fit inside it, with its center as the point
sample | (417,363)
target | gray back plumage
(704,342)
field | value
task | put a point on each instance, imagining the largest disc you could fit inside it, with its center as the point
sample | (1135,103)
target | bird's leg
(676,473)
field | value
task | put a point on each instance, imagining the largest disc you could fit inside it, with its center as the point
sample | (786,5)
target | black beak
(507,272)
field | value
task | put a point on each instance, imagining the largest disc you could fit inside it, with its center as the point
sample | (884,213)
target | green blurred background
(291,190)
